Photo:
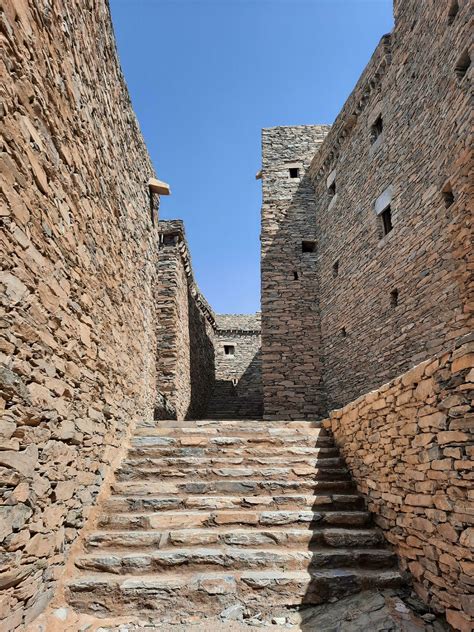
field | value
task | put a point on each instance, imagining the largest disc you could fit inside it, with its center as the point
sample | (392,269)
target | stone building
(206,364)
(366,227)
(110,353)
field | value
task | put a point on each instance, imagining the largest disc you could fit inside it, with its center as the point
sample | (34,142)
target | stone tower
(291,337)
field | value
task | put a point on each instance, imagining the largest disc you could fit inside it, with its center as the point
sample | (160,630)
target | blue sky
(205,76)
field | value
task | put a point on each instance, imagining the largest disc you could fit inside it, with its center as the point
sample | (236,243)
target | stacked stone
(369,304)
(79,250)
(185,330)
(237,392)
(410,448)
(206,517)
(291,335)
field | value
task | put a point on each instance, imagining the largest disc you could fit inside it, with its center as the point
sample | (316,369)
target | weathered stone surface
(413,486)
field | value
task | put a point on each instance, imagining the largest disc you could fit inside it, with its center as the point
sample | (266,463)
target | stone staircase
(207,514)
(228,402)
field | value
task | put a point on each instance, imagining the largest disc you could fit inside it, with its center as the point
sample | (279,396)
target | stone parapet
(410,446)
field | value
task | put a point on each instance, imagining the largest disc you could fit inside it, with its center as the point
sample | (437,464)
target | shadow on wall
(239,398)
(291,334)
(202,362)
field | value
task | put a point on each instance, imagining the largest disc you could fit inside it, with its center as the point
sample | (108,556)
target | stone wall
(371,304)
(291,333)
(238,388)
(410,448)
(79,252)
(185,331)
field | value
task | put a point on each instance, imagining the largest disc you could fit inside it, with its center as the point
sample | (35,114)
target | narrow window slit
(448,195)
(335,269)
(343,332)
(386,218)
(295,275)
(453,11)
(462,65)
(376,129)
(394,298)
(332,189)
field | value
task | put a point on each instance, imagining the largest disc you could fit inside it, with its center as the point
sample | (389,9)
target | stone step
(332,468)
(216,450)
(248,538)
(233,558)
(206,594)
(199,423)
(193,519)
(124,504)
(242,431)
(248,440)
(217,460)
(341,484)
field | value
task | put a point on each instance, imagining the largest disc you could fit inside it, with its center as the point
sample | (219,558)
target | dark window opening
(463,64)
(453,11)
(335,269)
(386,218)
(308,246)
(343,332)
(294,172)
(295,275)
(229,350)
(376,129)
(448,196)
(332,188)
(394,298)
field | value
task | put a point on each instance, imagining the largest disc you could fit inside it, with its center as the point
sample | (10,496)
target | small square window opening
(294,172)
(308,246)
(229,350)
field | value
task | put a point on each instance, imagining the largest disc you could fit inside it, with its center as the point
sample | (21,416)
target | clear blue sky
(205,76)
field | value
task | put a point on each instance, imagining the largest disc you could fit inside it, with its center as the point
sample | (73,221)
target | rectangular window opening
(462,65)
(229,350)
(308,246)
(448,196)
(294,172)
(376,129)
(343,332)
(386,218)
(394,298)
(335,269)
(332,188)
(295,275)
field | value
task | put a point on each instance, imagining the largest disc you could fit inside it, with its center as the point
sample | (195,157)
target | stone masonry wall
(185,331)
(410,448)
(79,253)
(291,333)
(404,296)
(371,304)
(238,388)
